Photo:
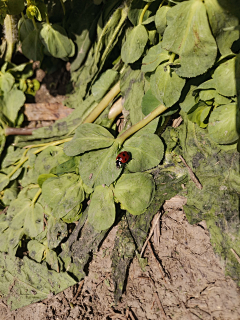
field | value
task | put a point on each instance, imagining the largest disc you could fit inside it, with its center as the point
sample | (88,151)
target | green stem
(63,7)
(104,103)
(161,4)
(22,161)
(100,38)
(34,24)
(143,13)
(160,109)
(47,19)
(34,200)
(172,57)
(122,20)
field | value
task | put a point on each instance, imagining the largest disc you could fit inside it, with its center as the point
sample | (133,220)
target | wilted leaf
(146,152)
(101,213)
(135,192)
(88,136)
(52,260)
(56,232)
(134,46)
(188,34)
(103,84)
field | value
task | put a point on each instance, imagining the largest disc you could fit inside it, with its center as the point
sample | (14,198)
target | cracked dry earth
(182,280)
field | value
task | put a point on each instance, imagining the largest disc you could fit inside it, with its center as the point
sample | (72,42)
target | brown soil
(183,279)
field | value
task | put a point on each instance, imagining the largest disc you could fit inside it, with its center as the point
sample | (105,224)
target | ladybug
(122,158)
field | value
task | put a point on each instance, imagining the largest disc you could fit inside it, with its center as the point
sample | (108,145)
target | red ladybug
(122,158)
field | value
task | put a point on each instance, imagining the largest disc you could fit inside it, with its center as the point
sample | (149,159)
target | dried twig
(78,290)
(192,175)
(158,264)
(236,255)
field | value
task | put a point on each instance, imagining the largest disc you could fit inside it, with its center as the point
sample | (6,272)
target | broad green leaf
(199,113)
(135,192)
(3,223)
(101,213)
(7,81)
(15,6)
(32,47)
(56,41)
(56,232)
(99,167)
(36,250)
(25,26)
(33,224)
(63,194)
(14,238)
(88,136)
(149,102)
(44,177)
(209,84)
(188,34)
(146,152)
(17,212)
(12,156)
(224,78)
(220,20)
(103,84)
(206,95)
(134,46)
(13,101)
(166,86)
(4,181)
(52,260)
(69,166)
(224,124)
(74,215)
(25,281)
(161,19)
(154,57)
(136,9)
(219,99)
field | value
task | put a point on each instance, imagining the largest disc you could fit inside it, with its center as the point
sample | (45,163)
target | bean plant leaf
(69,166)
(15,7)
(146,152)
(6,81)
(99,167)
(188,34)
(56,41)
(134,46)
(17,212)
(88,136)
(44,177)
(166,86)
(56,232)
(63,194)
(32,46)
(136,9)
(161,19)
(36,250)
(199,113)
(220,20)
(135,192)
(103,84)
(101,213)
(13,101)
(224,124)
(30,277)
(154,57)
(149,102)
(25,26)
(3,223)
(33,224)
(225,78)
(52,259)
(4,181)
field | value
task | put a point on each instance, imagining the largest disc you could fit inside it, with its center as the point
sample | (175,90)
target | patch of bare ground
(182,280)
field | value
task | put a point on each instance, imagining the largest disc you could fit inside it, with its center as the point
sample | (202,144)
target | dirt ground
(183,280)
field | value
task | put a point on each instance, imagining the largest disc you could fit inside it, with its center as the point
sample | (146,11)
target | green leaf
(3,223)
(199,113)
(33,224)
(225,78)
(12,104)
(101,213)
(99,167)
(32,47)
(224,124)
(7,81)
(206,95)
(154,57)
(219,20)
(17,212)
(69,166)
(36,250)
(25,26)
(56,41)
(12,156)
(134,46)
(146,152)
(44,177)
(166,86)
(25,281)
(149,102)
(136,9)
(161,19)
(4,181)
(10,193)
(135,192)
(52,260)
(15,6)
(56,232)
(63,194)
(88,136)
(103,84)
(188,34)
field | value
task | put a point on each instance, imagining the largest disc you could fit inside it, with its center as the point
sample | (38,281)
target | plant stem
(10,35)
(160,109)
(143,13)
(34,200)
(122,20)
(100,38)
(103,103)
(161,4)
(63,7)
(24,159)
(34,23)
